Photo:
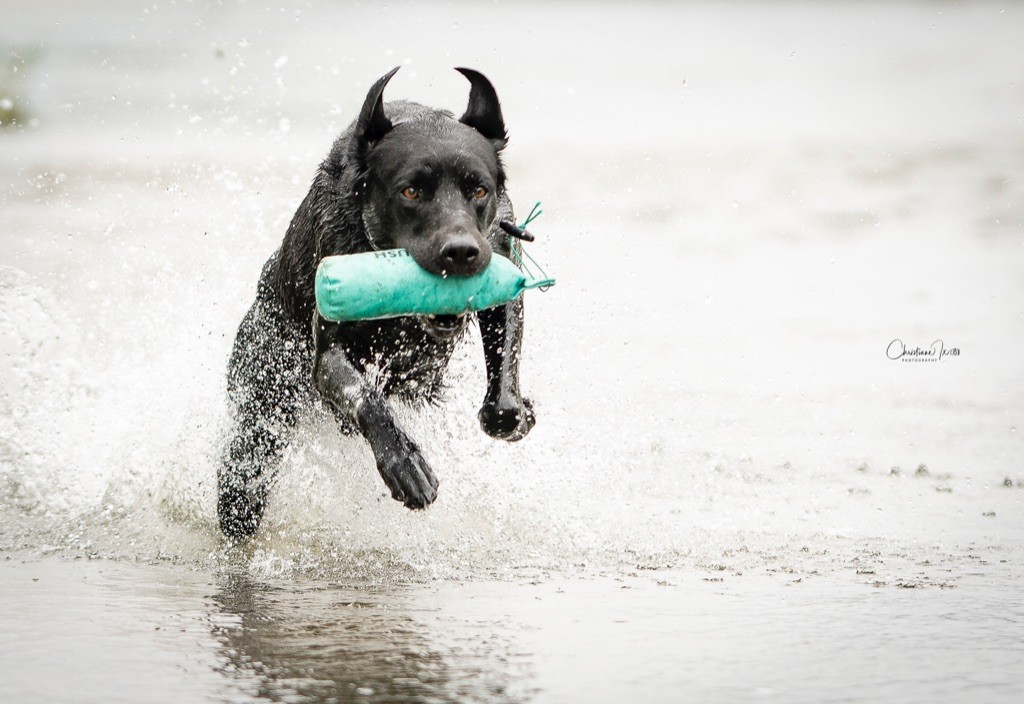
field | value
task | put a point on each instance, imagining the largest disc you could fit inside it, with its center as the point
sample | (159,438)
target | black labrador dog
(402,175)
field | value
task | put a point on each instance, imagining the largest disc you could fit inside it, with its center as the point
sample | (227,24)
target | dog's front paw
(507,419)
(408,476)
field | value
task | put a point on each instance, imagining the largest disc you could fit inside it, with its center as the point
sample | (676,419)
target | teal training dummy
(389,284)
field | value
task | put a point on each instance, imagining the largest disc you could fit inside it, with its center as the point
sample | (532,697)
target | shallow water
(168,634)
(744,205)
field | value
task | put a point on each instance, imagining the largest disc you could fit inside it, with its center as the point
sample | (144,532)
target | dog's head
(433,182)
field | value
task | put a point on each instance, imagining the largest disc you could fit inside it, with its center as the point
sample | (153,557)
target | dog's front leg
(399,460)
(505,414)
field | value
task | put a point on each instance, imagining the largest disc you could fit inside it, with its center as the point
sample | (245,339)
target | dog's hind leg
(399,460)
(505,414)
(242,481)
(268,380)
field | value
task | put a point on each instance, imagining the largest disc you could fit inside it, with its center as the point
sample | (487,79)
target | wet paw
(239,510)
(409,476)
(509,419)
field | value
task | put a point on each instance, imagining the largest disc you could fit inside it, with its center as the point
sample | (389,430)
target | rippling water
(731,493)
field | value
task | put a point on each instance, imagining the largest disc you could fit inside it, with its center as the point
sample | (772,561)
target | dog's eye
(480,193)
(411,192)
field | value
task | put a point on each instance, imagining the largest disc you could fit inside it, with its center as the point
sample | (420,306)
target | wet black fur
(286,357)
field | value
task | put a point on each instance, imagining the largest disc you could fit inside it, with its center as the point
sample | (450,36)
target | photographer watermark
(897,349)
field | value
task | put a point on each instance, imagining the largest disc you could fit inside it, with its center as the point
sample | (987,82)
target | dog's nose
(459,254)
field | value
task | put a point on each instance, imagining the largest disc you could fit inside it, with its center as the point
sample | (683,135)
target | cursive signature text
(897,349)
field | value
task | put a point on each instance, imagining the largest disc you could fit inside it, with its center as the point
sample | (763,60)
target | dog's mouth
(443,326)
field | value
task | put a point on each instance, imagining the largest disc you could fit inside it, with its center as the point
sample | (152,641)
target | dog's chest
(398,356)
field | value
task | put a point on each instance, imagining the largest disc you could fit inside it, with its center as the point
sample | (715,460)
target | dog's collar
(366,231)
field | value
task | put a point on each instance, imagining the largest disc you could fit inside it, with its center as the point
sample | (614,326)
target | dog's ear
(373,124)
(484,111)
